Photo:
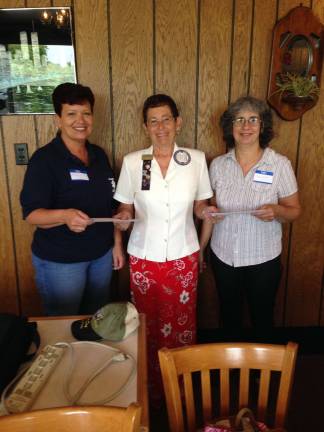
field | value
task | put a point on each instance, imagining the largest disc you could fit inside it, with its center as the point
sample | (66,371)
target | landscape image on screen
(36,54)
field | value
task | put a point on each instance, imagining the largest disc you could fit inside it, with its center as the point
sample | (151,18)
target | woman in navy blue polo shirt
(67,183)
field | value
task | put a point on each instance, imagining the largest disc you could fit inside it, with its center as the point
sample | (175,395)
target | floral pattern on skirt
(167,293)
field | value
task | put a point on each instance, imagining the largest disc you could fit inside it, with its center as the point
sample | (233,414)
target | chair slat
(206,394)
(224,392)
(263,394)
(288,369)
(191,413)
(244,388)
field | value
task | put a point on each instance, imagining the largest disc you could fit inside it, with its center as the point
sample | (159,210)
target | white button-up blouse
(164,229)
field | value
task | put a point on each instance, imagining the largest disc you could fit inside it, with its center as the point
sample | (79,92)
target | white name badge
(79,175)
(263,176)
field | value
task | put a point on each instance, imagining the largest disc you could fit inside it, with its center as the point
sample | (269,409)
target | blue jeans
(73,288)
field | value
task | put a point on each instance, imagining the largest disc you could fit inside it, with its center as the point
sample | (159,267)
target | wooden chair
(198,377)
(75,419)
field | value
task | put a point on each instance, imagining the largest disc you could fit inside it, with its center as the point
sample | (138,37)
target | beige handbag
(244,421)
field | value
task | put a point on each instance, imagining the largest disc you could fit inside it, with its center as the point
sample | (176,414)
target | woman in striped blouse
(256,188)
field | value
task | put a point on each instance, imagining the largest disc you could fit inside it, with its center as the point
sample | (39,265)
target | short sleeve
(212,174)
(38,186)
(204,190)
(287,182)
(124,191)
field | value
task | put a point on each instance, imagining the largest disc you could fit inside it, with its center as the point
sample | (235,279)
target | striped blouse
(242,239)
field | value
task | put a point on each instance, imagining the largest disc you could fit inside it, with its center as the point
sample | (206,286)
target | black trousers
(258,284)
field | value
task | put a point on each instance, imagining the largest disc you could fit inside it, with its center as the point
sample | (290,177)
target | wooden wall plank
(132,82)
(8,279)
(240,67)
(8,4)
(215,44)
(318,9)
(92,53)
(306,265)
(176,56)
(8,282)
(132,72)
(16,128)
(286,143)
(263,22)
(307,244)
(62,3)
(45,129)
(38,3)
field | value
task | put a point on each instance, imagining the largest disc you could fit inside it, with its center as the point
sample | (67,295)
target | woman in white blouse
(165,185)
(257,189)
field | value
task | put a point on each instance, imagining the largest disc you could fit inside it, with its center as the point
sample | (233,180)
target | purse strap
(245,421)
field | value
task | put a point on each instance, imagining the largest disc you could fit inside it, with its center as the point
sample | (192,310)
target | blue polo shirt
(52,182)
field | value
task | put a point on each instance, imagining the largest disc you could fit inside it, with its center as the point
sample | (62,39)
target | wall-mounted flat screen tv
(36,54)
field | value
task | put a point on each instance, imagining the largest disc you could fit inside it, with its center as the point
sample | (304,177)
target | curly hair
(255,105)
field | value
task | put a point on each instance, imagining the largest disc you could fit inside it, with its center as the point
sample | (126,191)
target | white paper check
(237,212)
(112,220)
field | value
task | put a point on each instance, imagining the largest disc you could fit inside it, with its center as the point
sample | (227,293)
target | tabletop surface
(89,358)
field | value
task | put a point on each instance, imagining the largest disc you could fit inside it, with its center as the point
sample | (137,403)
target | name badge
(79,175)
(263,176)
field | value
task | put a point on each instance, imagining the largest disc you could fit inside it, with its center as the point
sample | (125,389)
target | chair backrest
(198,378)
(75,419)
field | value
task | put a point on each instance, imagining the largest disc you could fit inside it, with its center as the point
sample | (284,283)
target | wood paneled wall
(203,53)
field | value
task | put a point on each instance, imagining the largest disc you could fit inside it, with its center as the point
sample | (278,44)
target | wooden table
(57,329)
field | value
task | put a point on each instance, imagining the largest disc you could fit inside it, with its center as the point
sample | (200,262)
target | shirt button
(166,221)
(167,204)
(165,240)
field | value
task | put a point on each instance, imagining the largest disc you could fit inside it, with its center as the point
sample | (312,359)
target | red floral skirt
(167,293)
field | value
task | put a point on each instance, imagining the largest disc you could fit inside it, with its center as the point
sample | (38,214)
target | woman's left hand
(209,214)
(268,213)
(287,210)
(118,257)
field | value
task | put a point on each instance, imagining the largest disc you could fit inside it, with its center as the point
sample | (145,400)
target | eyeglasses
(252,121)
(165,121)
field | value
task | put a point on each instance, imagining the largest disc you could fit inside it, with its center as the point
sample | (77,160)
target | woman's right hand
(76,220)
(125,212)
(124,215)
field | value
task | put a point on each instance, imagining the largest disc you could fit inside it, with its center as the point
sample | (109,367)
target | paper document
(112,220)
(237,212)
